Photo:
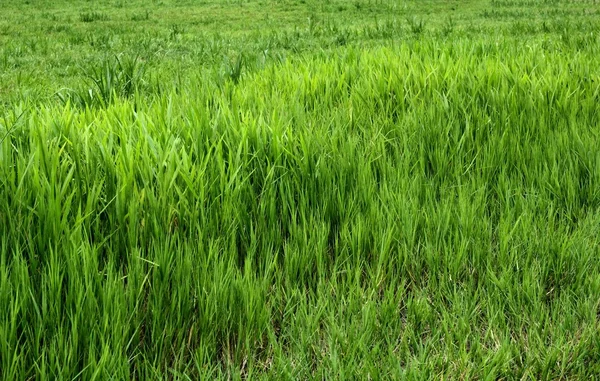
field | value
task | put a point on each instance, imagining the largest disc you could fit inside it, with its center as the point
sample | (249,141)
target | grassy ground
(299,190)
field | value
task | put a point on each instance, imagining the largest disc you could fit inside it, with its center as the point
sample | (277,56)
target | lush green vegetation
(297,190)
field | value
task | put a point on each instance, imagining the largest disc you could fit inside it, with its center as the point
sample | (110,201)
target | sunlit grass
(426,209)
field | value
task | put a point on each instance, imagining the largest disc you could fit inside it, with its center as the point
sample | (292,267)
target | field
(300,189)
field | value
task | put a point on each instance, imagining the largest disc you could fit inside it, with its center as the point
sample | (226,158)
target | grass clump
(92,16)
(115,76)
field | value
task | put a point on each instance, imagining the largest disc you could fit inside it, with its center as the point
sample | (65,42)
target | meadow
(336,189)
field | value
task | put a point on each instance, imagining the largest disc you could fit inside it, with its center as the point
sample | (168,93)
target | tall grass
(116,76)
(422,211)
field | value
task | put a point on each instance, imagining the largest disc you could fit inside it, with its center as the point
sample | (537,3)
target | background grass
(299,190)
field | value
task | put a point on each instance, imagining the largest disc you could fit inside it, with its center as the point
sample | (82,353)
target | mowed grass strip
(427,211)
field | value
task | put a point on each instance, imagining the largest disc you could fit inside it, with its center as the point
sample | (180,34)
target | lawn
(261,189)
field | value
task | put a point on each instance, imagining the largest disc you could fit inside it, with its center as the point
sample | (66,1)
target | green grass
(357,190)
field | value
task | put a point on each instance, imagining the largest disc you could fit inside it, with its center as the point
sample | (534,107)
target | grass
(412,197)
